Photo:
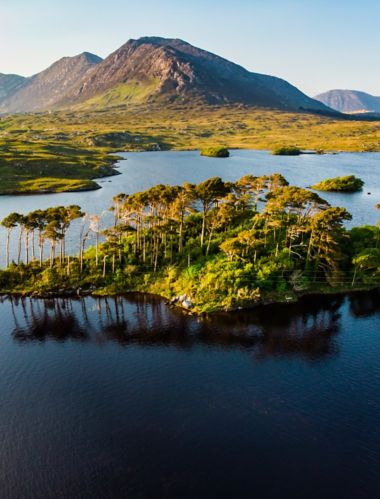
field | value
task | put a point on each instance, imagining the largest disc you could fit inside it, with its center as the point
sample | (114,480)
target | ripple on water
(125,397)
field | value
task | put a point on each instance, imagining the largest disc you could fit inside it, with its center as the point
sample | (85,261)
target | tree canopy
(223,244)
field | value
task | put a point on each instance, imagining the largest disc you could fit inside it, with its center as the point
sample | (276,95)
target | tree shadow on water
(306,329)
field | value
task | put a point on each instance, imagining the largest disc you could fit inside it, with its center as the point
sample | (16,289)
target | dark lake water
(128,398)
(143,170)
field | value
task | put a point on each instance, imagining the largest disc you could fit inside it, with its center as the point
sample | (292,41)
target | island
(349,183)
(215,152)
(205,247)
(287,151)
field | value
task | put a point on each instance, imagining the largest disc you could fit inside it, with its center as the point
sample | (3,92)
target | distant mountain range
(350,101)
(150,69)
(9,85)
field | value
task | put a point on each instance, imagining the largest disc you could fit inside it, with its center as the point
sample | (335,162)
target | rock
(188,304)
(183,301)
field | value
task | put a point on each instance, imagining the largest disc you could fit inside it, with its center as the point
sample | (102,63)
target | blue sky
(315,44)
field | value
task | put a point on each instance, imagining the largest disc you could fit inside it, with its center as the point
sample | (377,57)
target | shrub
(215,152)
(350,183)
(287,151)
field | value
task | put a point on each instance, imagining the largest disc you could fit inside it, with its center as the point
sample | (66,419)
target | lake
(143,170)
(107,398)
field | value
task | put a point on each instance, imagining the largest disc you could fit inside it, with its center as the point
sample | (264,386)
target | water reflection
(307,328)
(365,304)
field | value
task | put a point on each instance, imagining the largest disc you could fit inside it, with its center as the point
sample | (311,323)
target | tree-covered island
(212,246)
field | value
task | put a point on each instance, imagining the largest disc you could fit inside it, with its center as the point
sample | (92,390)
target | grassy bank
(45,164)
(55,284)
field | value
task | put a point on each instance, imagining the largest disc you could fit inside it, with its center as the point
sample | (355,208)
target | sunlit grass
(74,144)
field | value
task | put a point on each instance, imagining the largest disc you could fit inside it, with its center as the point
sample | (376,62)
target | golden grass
(82,138)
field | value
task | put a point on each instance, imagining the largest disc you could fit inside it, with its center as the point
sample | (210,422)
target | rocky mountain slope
(350,101)
(9,85)
(155,69)
(45,89)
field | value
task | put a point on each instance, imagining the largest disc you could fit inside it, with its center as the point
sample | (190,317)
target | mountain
(350,101)
(154,69)
(174,70)
(44,90)
(9,85)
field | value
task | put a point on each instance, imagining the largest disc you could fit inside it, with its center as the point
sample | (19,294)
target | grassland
(66,150)
(123,93)
(33,160)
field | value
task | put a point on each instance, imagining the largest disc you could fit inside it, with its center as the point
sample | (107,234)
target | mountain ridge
(350,101)
(155,68)
(44,90)
(10,84)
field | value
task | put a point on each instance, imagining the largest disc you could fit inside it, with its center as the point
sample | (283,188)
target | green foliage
(367,266)
(215,152)
(209,242)
(286,151)
(364,237)
(350,183)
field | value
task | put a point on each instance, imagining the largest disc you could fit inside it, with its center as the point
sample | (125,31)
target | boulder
(188,304)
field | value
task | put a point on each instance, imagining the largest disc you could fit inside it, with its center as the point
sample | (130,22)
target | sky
(316,45)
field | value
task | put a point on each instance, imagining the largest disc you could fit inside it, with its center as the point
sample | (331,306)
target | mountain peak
(85,58)
(89,57)
(9,84)
(156,40)
(155,68)
(176,70)
(350,101)
(44,90)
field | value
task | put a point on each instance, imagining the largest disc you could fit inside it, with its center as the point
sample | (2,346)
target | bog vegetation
(223,245)
(66,150)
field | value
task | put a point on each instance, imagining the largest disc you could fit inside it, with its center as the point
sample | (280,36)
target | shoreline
(114,159)
(80,293)
(92,184)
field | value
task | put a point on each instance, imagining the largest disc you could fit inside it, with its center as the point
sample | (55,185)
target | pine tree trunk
(7,247)
(97,249)
(104,265)
(33,246)
(19,247)
(26,236)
